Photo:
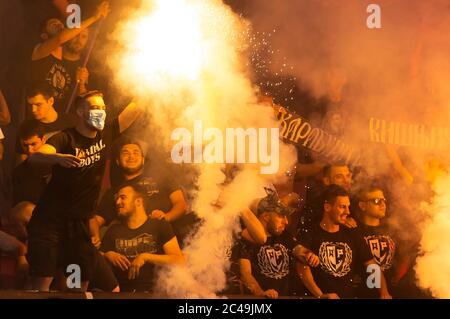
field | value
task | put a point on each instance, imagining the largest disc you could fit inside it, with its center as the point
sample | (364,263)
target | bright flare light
(166,44)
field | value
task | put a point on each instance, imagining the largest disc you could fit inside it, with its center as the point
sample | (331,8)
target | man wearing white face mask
(78,156)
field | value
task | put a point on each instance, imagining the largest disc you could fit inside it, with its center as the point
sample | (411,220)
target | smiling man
(332,254)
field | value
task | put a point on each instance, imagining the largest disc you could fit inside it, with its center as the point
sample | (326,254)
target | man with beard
(265,268)
(138,243)
(164,200)
(331,255)
(58,230)
(336,174)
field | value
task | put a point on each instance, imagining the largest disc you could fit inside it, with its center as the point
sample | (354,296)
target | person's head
(130,200)
(31,136)
(91,109)
(130,157)
(273,213)
(41,101)
(372,203)
(338,174)
(77,44)
(336,204)
(51,28)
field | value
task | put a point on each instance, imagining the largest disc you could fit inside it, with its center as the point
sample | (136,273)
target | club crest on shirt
(383,250)
(335,258)
(274,261)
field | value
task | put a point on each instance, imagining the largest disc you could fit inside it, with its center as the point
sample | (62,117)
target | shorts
(55,243)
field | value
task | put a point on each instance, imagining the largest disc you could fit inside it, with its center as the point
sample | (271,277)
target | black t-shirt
(342,256)
(29,182)
(271,262)
(59,74)
(383,248)
(63,122)
(158,197)
(73,192)
(148,238)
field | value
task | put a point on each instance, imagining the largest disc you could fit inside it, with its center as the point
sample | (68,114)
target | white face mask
(96,119)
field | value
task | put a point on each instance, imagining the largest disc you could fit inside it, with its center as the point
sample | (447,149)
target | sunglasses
(377,201)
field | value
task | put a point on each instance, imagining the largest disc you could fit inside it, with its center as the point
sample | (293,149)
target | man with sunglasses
(332,255)
(58,231)
(371,213)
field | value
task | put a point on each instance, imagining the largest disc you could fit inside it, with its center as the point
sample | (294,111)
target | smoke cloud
(398,73)
(185,61)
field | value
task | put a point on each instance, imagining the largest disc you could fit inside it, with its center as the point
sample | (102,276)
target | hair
(331,193)
(79,102)
(327,168)
(43,89)
(31,128)
(139,190)
(126,141)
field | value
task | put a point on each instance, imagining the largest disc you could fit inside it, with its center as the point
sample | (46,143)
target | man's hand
(329,296)
(271,293)
(82,75)
(136,265)
(96,241)
(350,223)
(67,161)
(312,259)
(158,214)
(118,260)
(102,10)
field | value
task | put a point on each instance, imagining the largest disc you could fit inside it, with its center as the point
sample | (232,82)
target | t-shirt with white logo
(342,255)
(73,192)
(271,262)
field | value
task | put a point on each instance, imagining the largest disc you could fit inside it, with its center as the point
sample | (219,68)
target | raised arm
(45,49)
(254,231)
(128,116)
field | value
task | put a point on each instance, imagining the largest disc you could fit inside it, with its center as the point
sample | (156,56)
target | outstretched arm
(47,155)
(128,116)
(45,49)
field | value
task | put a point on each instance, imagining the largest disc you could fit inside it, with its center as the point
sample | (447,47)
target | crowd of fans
(315,236)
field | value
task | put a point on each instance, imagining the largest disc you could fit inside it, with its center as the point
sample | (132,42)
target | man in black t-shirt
(58,229)
(137,244)
(164,199)
(332,254)
(377,235)
(265,268)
